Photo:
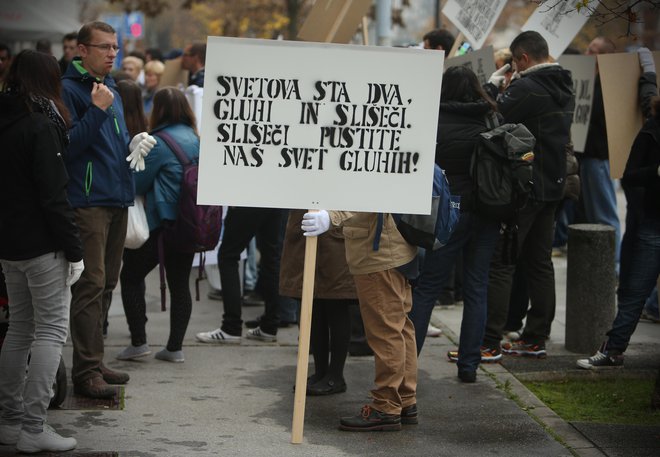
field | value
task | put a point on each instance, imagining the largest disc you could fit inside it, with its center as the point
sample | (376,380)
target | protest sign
(481,62)
(619,76)
(345,127)
(583,71)
(174,75)
(474,18)
(333,21)
(558,24)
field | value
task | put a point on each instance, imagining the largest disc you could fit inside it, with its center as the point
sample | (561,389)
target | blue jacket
(160,182)
(96,158)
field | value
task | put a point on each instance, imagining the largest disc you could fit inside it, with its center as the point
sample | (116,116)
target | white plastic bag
(137,230)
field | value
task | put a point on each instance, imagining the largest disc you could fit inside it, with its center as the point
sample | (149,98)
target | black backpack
(502,175)
(501,172)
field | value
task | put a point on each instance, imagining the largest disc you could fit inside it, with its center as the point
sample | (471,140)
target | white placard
(583,71)
(318,126)
(474,18)
(481,62)
(558,24)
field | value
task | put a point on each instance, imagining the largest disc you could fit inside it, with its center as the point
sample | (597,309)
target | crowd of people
(86,140)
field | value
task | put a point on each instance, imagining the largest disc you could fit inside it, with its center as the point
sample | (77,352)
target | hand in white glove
(497,78)
(315,224)
(75,270)
(140,146)
(646,60)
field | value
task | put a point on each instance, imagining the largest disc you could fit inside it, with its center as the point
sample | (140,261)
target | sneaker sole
(409,421)
(588,366)
(373,428)
(494,359)
(214,341)
(132,357)
(260,338)
(537,355)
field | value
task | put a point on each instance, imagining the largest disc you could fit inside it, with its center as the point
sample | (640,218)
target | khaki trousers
(385,301)
(102,232)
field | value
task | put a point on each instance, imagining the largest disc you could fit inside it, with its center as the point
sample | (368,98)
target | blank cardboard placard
(333,21)
(173,75)
(619,76)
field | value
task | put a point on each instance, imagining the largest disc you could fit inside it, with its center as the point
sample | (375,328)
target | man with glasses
(100,189)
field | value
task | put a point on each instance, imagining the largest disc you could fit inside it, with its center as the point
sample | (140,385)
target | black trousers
(137,264)
(241,224)
(535,235)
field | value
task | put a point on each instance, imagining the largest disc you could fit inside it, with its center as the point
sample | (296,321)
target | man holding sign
(380,268)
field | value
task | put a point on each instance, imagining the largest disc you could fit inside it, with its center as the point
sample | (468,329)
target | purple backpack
(197,228)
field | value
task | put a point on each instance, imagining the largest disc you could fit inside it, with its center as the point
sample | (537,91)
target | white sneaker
(217,336)
(48,440)
(513,335)
(258,334)
(433,331)
(9,433)
(134,352)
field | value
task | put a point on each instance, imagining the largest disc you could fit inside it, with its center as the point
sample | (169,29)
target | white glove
(497,78)
(75,270)
(315,224)
(646,60)
(140,146)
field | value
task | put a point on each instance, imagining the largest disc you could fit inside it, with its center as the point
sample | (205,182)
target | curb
(552,423)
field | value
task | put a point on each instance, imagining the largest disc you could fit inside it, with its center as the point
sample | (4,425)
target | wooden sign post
(345,131)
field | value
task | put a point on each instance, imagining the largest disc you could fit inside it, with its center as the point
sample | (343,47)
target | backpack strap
(174,146)
(161,269)
(379,231)
(492,121)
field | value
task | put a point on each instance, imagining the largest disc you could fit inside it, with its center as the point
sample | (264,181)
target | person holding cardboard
(385,296)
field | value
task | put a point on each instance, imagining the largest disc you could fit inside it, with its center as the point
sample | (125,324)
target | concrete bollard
(590,286)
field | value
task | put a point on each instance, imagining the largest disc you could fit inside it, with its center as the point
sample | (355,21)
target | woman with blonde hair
(153,71)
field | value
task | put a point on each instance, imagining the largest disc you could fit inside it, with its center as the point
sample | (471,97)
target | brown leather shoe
(114,377)
(94,387)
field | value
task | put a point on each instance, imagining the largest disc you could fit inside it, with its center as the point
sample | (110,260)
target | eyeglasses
(104,47)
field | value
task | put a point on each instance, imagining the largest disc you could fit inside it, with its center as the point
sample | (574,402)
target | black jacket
(641,172)
(35,215)
(543,100)
(459,126)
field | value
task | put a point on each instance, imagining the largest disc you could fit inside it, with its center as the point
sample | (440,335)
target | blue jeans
(38,324)
(598,197)
(636,281)
(476,238)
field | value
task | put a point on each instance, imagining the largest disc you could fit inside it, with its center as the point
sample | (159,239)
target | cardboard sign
(309,125)
(558,24)
(583,70)
(174,75)
(619,77)
(333,21)
(481,62)
(474,18)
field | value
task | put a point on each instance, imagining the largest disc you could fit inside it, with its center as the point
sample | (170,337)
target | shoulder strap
(491,121)
(379,231)
(174,146)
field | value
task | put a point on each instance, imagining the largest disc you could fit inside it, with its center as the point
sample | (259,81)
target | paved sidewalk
(238,400)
